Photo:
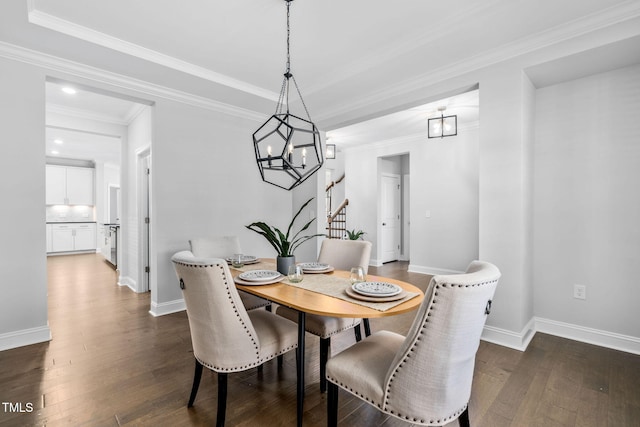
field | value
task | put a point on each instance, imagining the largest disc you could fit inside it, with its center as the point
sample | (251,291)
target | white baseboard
(516,340)
(375,263)
(130,283)
(431,270)
(167,307)
(520,340)
(25,337)
(597,337)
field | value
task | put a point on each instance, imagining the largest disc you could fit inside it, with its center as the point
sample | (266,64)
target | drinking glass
(357,275)
(295,274)
(237,261)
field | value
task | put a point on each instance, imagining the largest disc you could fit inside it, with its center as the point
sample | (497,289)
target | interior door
(390,210)
(146,212)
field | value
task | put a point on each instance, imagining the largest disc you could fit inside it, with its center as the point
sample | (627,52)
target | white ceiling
(345,54)
(71,141)
(242,42)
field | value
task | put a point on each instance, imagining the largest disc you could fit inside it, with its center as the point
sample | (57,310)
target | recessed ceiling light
(54,152)
(58,141)
(69,90)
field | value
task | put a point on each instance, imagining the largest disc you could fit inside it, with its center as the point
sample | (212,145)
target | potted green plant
(355,235)
(284,244)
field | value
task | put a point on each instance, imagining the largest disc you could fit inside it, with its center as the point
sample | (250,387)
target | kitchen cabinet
(69,185)
(70,237)
(84,237)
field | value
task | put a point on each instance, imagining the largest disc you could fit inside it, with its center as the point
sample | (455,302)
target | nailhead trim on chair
(319,334)
(424,326)
(346,328)
(259,361)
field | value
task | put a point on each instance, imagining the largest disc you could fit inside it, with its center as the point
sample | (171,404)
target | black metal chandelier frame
(288,147)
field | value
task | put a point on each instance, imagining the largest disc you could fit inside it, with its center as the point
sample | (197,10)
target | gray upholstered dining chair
(342,255)
(424,378)
(225,336)
(223,247)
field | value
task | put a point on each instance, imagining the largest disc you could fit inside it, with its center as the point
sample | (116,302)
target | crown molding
(85,115)
(585,25)
(50,62)
(53,23)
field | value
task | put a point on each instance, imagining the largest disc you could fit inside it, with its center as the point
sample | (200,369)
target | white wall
(587,201)
(444,181)
(23,282)
(205,181)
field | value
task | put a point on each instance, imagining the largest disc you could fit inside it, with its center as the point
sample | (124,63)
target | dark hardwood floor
(111,363)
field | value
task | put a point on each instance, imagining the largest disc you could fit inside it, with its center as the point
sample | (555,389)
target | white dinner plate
(314,266)
(259,275)
(246,259)
(239,281)
(353,294)
(376,289)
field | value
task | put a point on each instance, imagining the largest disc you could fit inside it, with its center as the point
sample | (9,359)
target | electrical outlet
(580,291)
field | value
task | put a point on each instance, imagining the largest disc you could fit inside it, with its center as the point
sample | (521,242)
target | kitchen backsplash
(60,213)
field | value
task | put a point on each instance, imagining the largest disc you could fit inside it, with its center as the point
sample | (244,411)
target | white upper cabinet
(68,185)
(56,185)
(80,186)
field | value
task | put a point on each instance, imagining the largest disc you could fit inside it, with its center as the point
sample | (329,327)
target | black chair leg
(280,359)
(358,334)
(332,406)
(367,327)
(196,383)
(463,419)
(222,399)
(325,345)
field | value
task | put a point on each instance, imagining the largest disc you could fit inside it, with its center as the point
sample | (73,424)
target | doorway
(390,216)
(393,208)
(97,130)
(144,219)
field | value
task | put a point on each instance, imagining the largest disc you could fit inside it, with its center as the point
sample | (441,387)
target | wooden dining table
(307,301)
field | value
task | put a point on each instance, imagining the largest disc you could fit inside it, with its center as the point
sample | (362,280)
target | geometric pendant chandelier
(443,126)
(288,148)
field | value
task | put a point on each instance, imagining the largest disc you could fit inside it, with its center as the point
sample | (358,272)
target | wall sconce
(442,126)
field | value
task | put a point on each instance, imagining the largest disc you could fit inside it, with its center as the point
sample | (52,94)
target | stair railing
(337,222)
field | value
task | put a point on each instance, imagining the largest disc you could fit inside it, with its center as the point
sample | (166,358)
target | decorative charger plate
(239,281)
(376,289)
(353,294)
(314,266)
(259,275)
(246,259)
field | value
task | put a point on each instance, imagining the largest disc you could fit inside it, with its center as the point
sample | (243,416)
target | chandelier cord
(288,71)
(301,99)
(287,74)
